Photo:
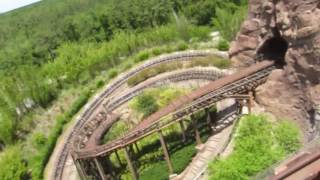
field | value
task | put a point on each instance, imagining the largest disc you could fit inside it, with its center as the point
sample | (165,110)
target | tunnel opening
(274,49)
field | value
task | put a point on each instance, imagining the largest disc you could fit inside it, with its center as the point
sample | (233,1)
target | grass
(258,144)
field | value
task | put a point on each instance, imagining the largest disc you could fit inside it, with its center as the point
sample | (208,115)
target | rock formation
(288,32)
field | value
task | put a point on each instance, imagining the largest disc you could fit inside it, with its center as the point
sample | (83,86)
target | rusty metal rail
(203,97)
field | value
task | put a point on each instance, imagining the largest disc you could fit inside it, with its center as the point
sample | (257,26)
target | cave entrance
(274,49)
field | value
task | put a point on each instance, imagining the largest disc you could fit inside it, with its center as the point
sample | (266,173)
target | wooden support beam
(100,169)
(133,170)
(250,103)
(195,128)
(209,119)
(183,131)
(109,165)
(118,158)
(80,169)
(137,147)
(166,152)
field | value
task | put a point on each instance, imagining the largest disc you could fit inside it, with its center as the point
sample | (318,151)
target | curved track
(93,109)
(203,97)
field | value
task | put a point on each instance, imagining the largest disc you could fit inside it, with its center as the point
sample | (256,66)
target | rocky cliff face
(288,32)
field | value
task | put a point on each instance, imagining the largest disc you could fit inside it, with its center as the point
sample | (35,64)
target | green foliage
(38,161)
(117,129)
(112,73)
(228,19)
(151,100)
(166,95)
(38,139)
(258,144)
(142,56)
(183,157)
(13,167)
(223,45)
(145,104)
(286,134)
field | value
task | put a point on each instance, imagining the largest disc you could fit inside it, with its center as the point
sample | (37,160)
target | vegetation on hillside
(258,144)
(53,46)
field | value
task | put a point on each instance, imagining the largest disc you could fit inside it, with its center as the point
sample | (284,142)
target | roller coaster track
(237,83)
(91,108)
(93,127)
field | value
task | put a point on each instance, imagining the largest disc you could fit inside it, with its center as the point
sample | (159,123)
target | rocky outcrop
(287,31)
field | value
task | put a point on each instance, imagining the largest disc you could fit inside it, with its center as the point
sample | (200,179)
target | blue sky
(8,5)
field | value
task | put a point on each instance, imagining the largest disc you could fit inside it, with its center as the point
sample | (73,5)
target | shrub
(228,20)
(12,164)
(38,139)
(258,144)
(112,73)
(156,51)
(286,134)
(223,45)
(142,56)
(99,83)
(145,104)
(182,46)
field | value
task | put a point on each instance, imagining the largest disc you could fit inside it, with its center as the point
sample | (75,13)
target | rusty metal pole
(195,128)
(165,150)
(183,131)
(134,172)
(100,169)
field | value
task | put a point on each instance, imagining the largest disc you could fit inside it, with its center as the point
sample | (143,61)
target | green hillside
(56,47)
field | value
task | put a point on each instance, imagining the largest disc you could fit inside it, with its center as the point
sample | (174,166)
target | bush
(145,104)
(142,56)
(112,73)
(182,46)
(12,164)
(257,146)
(223,45)
(156,51)
(228,19)
(99,83)
(38,139)
(183,157)
(286,134)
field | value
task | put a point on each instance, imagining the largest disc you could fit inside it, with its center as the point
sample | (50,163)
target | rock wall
(294,91)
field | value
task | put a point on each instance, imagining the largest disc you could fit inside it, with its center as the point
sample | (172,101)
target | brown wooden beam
(250,103)
(183,131)
(195,128)
(166,152)
(80,169)
(137,147)
(100,169)
(118,158)
(209,119)
(134,172)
